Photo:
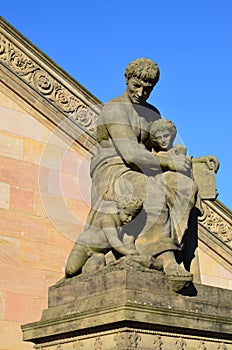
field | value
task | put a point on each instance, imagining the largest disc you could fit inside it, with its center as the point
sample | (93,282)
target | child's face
(126,215)
(163,139)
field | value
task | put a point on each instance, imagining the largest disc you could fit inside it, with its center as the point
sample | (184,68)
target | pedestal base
(130,307)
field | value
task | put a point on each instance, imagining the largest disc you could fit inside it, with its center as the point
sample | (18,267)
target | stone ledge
(127,297)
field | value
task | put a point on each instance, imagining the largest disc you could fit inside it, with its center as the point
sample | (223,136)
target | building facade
(47,123)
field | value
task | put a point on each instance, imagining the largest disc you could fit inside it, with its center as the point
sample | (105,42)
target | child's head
(128,207)
(162,134)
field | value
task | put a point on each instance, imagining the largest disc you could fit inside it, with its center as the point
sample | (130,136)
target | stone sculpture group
(143,190)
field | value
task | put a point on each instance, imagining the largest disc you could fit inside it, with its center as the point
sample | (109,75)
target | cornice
(27,63)
(213,245)
(217,218)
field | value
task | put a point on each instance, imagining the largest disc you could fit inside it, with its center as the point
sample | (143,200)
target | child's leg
(95,263)
(76,260)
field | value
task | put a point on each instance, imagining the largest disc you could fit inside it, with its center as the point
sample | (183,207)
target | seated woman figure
(122,163)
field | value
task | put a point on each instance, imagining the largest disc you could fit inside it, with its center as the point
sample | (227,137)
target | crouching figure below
(88,253)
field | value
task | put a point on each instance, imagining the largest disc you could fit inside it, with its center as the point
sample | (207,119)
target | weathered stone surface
(205,179)
(126,338)
(128,296)
(19,116)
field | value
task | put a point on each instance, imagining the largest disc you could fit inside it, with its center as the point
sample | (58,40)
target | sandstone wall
(44,194)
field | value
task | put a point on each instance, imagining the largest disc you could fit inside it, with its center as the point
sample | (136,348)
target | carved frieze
(77,345)
(180,344)
(158,342)
(202,346)
(222,346)
(98,344)
(44,83)
(217,224)
(127,340)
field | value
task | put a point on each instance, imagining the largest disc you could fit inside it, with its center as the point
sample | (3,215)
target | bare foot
(177,276)
(174,269)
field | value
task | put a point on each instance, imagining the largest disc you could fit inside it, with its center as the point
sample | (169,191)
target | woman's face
(138,90)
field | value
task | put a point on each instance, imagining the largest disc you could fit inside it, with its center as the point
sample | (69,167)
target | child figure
(162,136)
(181,190)
(94,242)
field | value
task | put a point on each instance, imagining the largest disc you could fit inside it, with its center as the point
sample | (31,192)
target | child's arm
(111,233)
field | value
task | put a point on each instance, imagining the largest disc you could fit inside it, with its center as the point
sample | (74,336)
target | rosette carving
(65,100)
(42,82)
(83,115)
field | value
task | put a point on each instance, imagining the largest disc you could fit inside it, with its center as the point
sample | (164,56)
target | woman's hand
(179,163)
(211,161)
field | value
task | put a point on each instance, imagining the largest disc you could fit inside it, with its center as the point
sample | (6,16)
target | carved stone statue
(181,189)
(103,236)
(123,163)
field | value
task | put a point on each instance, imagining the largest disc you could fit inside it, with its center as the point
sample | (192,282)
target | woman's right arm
(135,155)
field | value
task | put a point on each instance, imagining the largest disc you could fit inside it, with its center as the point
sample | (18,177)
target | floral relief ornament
(180,344)
(129,339)
(158,343)
(216,224)
(45,84)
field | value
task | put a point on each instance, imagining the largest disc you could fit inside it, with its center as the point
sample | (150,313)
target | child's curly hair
(129,202)
(162,124)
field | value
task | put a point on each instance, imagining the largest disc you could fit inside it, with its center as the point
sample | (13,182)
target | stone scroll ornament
(217,224)
(45,84)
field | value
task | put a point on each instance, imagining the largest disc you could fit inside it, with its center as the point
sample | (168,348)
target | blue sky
(190,40)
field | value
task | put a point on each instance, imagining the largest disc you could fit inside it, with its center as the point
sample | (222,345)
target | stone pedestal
(127,307)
